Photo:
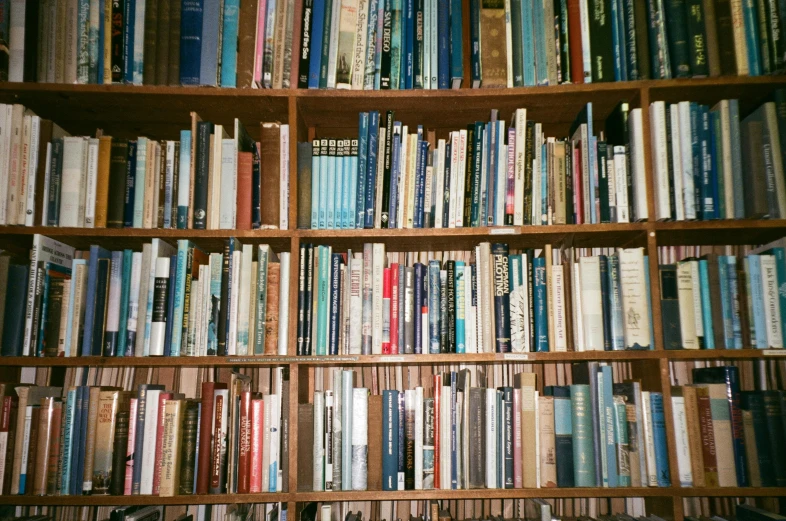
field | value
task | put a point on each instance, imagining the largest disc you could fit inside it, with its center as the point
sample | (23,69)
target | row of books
(370,44)
(727,437)
(207,179)
(460,434)
(393,176)
(151,42)
(723,299)
(101,440)
(163,301)
(371,302)
(232,512)
(708,163)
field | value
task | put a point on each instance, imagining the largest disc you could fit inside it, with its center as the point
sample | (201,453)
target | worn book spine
(120,443)
(188,448)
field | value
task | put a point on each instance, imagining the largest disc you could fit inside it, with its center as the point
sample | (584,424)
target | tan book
(526,382)
(192,169)
(751,454)
(548,449)
(246,44)
(102,183)
(90,442)
(721,429)
(493,49)
(104,440)
(374,442)
(694,435)
(278,45)
(270,151)
(150,183)
(271,308)
(46,426)
(52,439)
(170,455)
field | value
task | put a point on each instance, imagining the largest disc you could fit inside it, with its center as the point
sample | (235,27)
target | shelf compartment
(719,232)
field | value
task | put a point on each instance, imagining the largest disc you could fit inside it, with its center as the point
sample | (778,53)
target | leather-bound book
(244,187)
(271,308)
(493,47)
(117,184)
(305,447)
(270,187)
(188,446)
(162,43)
(117,483)
(175,9)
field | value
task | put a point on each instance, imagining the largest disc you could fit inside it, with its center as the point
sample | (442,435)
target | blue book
(329,182)
(396,48)
(433,307)
(395,173)
(99,43)
(756,296)
(317,29)
(82,439)
(407,44)
(96,253)
(128,209)
(608,417)
(780,266)
(563,433)
(125,290)
(390,439)
(726,303)
(351,171)
(541,317)
(371,172)
(750,18)
(708,209)
(335,297)
(461,297)
(139,441)
(629,33)
(716,178)
(474,35)
(191,16)
(323,296)
(538,22)
(129,9)
(736,159)
(443,44)
(420,273)
(360,173)
(615,305)
(402,411)
(170,306)
(528,43)
(211,44)
(659,437)
(229,43)
(456,45)
(706,309)
(67,448)
(420,183)
(337,193)
(618,42)
(183,179)
(185,252)
(695,132)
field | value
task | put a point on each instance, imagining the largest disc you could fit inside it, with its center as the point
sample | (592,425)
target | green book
(583,457)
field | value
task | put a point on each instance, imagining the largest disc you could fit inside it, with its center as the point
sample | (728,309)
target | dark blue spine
(129,7)
(408,44)
(361,171)
(695,140)
(443,44)
(501,288)
(474,41)
(191,15)
(708,201)
(420,182)
(15,298)
(371,173)
(55,177)
(128,210)
(170,296)
(659,437)
(541,331)
(390,440)
(419,273)
(315,55)
(395,173)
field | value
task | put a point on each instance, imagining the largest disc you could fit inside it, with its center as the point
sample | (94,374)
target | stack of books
(206,180)
(152,441)
(460,434)
(499,301)
(744,430)
(709,163)
(162,301)
(723,298)
(489,174)
(151,42)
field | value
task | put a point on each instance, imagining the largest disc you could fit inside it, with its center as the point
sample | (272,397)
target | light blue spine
(71,296)
(706,310)
(726,304)
(122,330)
(352,172)
(208,65)
(183,179)
(608,417)
(757,298)
(461,345)
(335,180)
(659,437)
(346,188)
(541,313)
(139,186)
(780,266)
(229,43)
(324,162)
(315,179)
(180,285)
(67,449)
(433,307)
(751,21)
(528,43)
(360,171)
(538,20)
(322,295)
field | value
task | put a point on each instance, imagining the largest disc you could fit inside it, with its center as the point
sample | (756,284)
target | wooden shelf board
(719,232)
(203,499)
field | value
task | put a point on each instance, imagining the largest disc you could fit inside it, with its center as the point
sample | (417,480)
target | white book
(407,179)
(445,446)
(228,200)
(146,273)
(150,434)
(536,405)
(660,159)
(284,162)
(725,157)
(649,441)
(558,308)
(283,303)
(360,438)
(159,318)
(461,178)
(169,187)
(215,178)
(578,328)
(687,310)
(418,438)
(133,299)
(5,146)
(233,302)
(508,45)
(355,304)
(92,178)
(26,214)
(454,165)
(620,175)
(244,304)
(469,314)
(584,16)
(15,162)
(16,41)
(491,434)
(592,303)
(379,261)
(633,269)
(266,414)
(638,169)
(275,435)
(140,182)
(73,313)
(681,439)
(113,302)
(686,138)
(361,35)
(333,46)
(439,191)
(772,310)
(676,162)
(520,122)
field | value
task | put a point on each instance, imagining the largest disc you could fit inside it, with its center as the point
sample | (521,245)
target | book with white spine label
(638,169)
(676,162)
(592,303)
(772,310)
(32,169)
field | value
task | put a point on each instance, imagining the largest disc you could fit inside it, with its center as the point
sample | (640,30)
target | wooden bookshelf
(160,112)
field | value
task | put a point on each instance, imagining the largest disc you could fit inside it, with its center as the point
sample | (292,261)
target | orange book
(244,169)
(102,183)
(271,308)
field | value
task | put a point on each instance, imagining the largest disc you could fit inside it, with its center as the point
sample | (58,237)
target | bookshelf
(160,111)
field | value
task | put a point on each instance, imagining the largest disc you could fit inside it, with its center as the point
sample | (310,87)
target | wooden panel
(751,92)
(689,233)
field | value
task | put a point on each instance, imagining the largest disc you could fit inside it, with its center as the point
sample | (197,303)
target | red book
(5,443)
(386,311)
(162,398)
(218,435)
(244,449)
(437,405)
(394,309)
(578,193)
(243,220)
(206,435)
(257,435)
(574,40)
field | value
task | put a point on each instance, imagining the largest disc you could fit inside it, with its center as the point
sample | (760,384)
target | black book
(325,54)
(753,403)
(116,53)
(697,36)
(670,160)
(305,44)
(117,478)
(417,47)
(603,261)
(226,291)
(507,426)
(305,253)
(499,254)
(601,46)
(450,267)
(118,160)
(563,40)
(55,307)
(32,14)
(101,305)
(308,311)
(670,307)
(55,178)
(37,308)
(128,198)
(677,36)
(618,134)
(446,180)
(387,39)
(776,41)
(775,428)
(201,170)
(724,29)
(15,302)
(642,38)
(603,181)
(563,442)
(385,213)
